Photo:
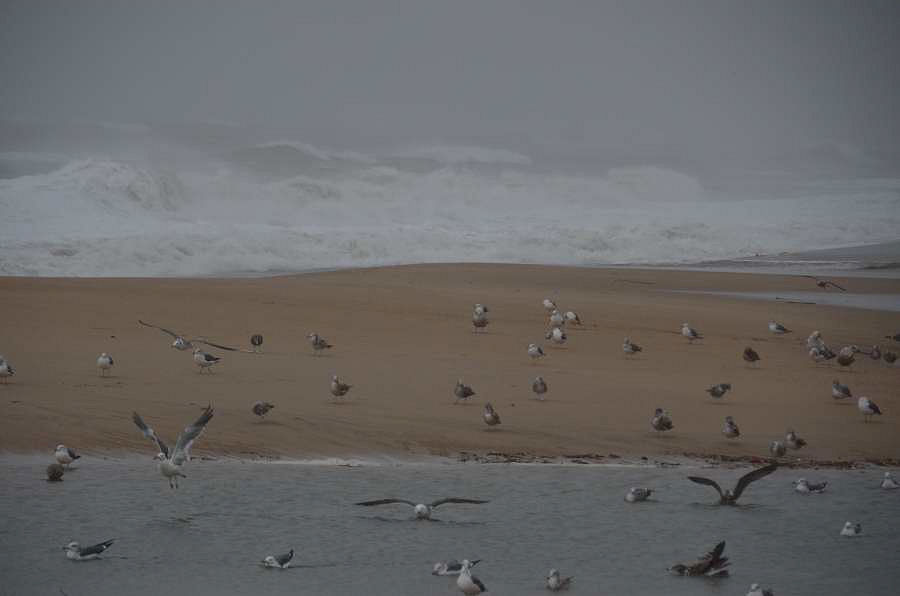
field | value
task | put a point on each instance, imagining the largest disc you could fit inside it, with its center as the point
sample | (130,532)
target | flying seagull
(719,390)
(824,283)
(171,461)
(261,408)
(712,564)
(76,552)
(65,455)
(104,363)
(730,497)
(422,510)
(778,328)
(555,582)
(182,343)
(467,583)
(279,561)
(204,360)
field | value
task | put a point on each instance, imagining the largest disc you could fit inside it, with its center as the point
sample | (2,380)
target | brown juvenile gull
(712,564)
(55,472)
(555,582)
(777,448)
(839,391)
(182,343)
(491,417)
(661,421)
(630,347)
(719,390)
(462,391)
(750,356)
(171,461)
(339,389)
(261,408)
(204,360)
(690,333)
(868,407)
(539,386)
(730,497)
(422,510)
(792,441)
(846,355)
(104,363)
(318,343)
(731,430)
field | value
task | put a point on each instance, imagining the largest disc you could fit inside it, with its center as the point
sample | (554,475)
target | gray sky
(707,82)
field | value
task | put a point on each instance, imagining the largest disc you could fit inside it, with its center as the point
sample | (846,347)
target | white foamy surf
(283,207)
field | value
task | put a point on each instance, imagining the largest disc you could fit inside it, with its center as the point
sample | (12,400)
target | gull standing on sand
(572,317)
(792,441)
(661,421)
(630,348)
(839,391)
(104,363)
(851,529)
(6,369)
(171,462)
(730,497)
(539,386)
(868,407)
(637,494)
(805,487)
(256,341)
(318,343)
(889,483)
(555,583)
(756,590)
(712,564)
(690,333)
(462,391)
(446,568)
(422,510)
(65,455)
(182,343)
(556,319)
(490,415)
(777,448)
(261,408)
(731,430)
(339,389)
(750,356)
(76,552)
(717,391)
(549,305)
(204,360)
(557,336)
(778,328)
(535,351)
(279,561)
(467,583)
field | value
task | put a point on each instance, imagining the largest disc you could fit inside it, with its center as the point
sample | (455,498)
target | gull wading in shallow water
(104,363)
(422,510)
(279,561)
(851,529)
(712,564)
(730,497)
(182,343)
(204,360)
(171,462)
(76,552)
(64,455)
(889,483)
(555,582)
(636,494)
(467,583)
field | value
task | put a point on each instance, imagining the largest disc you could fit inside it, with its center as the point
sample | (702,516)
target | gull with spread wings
(171,461)
(730,497)
(712,564)
(423,511)
(182,343)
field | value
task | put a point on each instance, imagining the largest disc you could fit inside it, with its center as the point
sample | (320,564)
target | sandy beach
(402,336)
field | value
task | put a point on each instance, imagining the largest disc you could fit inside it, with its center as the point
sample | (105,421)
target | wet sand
(403,335)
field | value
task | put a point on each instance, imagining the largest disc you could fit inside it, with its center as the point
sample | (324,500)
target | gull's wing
(746,479)
(385,502)
(455,500)
(285,558)
(710,560)
(163,329)
(200,340)
(96,549)
(188,435)
(148,432)
(831,283)
(706,481)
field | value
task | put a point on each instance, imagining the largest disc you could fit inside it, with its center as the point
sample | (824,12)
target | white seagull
(690,333)
(491,417)
(851,529)
(889,483)
(467,583)
(64,455)
(318,343)
(839,391)
(104,363)
(778,328)
(204,360)
(636,494)
(756,590)
(535,351)
(76,552)
(557,319)
(6,369)
(557,336)
(339,389)
(446,568)
(182,343)
(549,305)
(630,347)
(731,430)
(171,462)
(572,317)
(805,487)
(868,408)
(539,386)
(422,510)
(555,583)
(279,561)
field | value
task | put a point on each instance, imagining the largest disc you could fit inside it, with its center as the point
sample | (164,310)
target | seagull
(261,408)
(539,386)
(171,462)
(755,590)
(479,321)
(535,351)
(868,407)
(889,483)
(874,352)
(75,552)
(730,497)
(845,356)
(690,333)
(731,429)
(491,417)
(636,494)
(778,328)
(712,564)
(661,420)
(555,583)
(557,336)
(339,389)
(6,369)
(777,448)
(318,343)
(815,340)
(750,355)
(630,348)
(446,568)
(183,343)
(480,309)
(839,391)
(851,529)
(719,390)
(256,340)
(557,319)
(792,441)
(805,487)
(572,317)
(65,455)
(279,561)
(422,510)
(467,583)
(462,391)
(104,363)
(549,305)
(204,360)
(889,357)
(824,283)
(55,472)
(821,354)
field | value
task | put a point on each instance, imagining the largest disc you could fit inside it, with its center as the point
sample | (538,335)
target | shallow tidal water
(208,537)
